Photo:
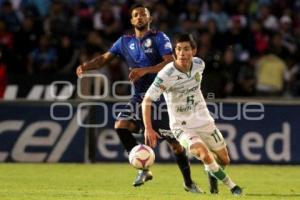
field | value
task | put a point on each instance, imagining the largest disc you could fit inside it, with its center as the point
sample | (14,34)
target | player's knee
(225,160)
(200,152)
(123,124)
(176,148)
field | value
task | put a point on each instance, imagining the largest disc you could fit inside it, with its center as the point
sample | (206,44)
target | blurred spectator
(58,23)
(43,59)
(82,22)
(276,46)
(269,21)
(245,81)
(11,18)
(216,13)
(164,20)
(238,38)
(107,20)
(231,70)
(215,82)
(41,6)
(6,37)
(94,45)
(288,39)
(3,75)
(260,37)
(26,39)
(270,75)
(190,18)
(216,36)
(67,55)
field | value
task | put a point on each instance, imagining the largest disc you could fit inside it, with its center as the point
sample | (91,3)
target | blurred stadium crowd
(251,47)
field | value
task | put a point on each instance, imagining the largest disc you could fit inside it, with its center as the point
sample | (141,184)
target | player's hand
(151,137)
(80,70)
(137,73)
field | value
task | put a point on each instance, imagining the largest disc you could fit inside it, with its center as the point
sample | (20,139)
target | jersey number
(190,100)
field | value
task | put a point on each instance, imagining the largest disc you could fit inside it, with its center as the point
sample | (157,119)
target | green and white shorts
(187,137)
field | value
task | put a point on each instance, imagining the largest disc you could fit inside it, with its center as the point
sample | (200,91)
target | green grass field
(113,182)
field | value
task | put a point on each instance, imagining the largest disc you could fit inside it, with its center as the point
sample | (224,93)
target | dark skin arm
(137,73)
(95,63)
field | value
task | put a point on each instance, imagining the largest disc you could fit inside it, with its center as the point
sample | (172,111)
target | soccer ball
(141,156)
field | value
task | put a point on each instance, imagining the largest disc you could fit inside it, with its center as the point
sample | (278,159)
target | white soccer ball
(141,156)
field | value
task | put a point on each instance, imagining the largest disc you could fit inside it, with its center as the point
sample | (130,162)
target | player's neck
(141,33)
(185,68)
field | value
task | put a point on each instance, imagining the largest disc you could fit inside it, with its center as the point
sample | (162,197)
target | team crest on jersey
(147,43)
(147,46)
(197,77)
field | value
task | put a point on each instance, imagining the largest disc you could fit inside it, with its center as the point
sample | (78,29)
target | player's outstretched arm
(137,73)
(95,63)
(150,134)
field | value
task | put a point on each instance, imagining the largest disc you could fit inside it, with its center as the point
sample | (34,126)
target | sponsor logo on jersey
(170,71)
(197,77)
(131,46)
(157,81)
(149,50)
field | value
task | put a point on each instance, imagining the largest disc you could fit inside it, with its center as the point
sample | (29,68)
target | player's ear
(174,56)
(194,51)
(150,19)
(131,21)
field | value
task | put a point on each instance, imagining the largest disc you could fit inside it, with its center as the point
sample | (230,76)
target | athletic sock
(126,138)
(220,174)
(184,166)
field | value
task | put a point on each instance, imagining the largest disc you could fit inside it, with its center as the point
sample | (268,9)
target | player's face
(140,18)
(184,53)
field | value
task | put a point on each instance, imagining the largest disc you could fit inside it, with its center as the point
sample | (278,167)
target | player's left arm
(137,73)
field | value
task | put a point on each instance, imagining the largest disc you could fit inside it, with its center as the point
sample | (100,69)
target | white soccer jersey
(186,105)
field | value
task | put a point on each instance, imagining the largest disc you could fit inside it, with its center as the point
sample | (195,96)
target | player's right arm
(150,134)
(95,63)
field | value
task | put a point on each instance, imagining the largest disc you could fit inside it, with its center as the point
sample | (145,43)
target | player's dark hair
(134,6)
(185,37)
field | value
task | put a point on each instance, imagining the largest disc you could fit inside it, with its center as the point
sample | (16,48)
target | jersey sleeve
(201,64)
(164,44)
(161,83)
(116,47)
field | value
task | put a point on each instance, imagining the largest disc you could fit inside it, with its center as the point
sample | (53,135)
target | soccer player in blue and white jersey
(146,53)
(190,121)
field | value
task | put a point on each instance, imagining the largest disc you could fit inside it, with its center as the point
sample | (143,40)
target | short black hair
(138,5)
(186,37)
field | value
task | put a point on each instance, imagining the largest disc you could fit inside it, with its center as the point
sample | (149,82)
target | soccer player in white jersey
(190,121)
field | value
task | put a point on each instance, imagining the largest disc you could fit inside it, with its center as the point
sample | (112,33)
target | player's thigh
(128,117)
(214,140)
(187,137)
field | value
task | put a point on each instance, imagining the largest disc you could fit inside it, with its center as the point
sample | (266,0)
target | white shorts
(212,139)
